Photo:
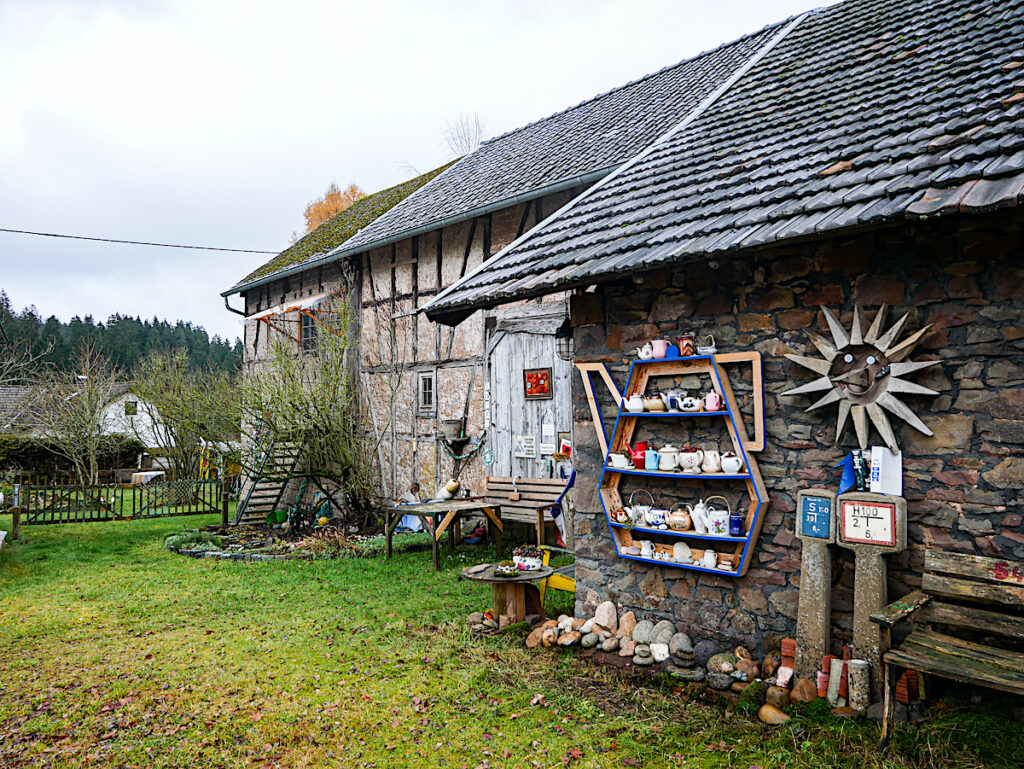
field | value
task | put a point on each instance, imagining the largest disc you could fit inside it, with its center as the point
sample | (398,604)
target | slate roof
(13,399)
(334,232)
(574,146)
(865,112)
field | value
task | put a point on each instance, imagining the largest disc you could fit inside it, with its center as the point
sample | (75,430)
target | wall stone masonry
(964,485)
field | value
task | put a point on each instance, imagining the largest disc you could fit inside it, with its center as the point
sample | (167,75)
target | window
(309,333)
(426,392)
(131,408)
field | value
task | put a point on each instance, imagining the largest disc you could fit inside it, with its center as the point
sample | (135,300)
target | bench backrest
(532,493)
(995,583)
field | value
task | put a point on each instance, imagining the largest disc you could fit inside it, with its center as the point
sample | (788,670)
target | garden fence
(43,502)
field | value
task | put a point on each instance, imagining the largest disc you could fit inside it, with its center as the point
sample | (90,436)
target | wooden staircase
(275,467)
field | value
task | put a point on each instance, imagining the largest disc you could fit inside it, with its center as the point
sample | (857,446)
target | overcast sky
(213,123)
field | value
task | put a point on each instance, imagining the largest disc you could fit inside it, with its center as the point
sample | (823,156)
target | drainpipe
(236,312)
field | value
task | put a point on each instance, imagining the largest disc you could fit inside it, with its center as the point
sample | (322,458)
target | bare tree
(70,411)
(309,398)
(181,407)
(19,368)
(463,134)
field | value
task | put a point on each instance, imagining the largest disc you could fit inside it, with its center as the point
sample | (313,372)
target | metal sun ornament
(861,371)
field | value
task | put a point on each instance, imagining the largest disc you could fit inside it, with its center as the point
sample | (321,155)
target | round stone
(704,650)
(719,681)
(643,631)
(663,632)
(589,641)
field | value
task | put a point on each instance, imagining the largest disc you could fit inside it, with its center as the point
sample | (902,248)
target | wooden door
(519,339)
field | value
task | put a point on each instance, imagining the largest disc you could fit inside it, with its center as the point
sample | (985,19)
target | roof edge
(342,253)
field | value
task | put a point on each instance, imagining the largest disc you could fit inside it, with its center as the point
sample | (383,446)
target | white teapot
(690,459)
(712,462)
(732,464)
(646,352)
(699,516)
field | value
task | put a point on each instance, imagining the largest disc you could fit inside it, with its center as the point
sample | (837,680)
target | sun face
(861,371)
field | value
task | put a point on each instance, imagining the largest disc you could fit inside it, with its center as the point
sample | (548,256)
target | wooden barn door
(518,339)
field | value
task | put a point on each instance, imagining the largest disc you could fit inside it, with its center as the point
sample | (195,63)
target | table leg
(430,527)
(520,611)
(388,530)
(494,524)
(451,534)
(497,600)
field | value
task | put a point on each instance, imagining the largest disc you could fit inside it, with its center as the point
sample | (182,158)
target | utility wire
(134,242)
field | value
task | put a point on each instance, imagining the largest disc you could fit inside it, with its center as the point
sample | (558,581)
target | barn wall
(963,485)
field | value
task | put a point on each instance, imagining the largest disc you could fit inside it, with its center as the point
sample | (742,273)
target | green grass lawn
(115,652)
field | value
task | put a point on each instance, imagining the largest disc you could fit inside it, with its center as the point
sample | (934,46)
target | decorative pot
(656,516)
(619,515)
(710,559)
(707,346)
(638,512)
(659,347)
(619,461)
(686,345)
(690,403)
(669,458)
(653,403)
(527,564)
(690,459)
(718,520)
(678,519)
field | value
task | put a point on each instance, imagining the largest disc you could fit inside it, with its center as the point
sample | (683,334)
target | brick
(791,320)
(775,298)
(957,477)
(873,290)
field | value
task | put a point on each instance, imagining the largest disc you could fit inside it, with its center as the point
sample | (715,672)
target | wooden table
(439,517)
(515,597)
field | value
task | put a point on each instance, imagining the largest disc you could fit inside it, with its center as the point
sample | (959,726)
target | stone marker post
(815,509)
(872,526)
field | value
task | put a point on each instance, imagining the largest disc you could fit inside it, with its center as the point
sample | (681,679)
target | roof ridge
(642,78)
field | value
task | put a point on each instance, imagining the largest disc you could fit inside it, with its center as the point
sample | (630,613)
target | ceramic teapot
(653,402)
(620,515)
(712,462)
(638,512)
(698,513)
(619,461)
(690,459)
(690,403)
(713,401)
(637,453)
(669,458)
(673,399)
(646,352)
(678,519)
(634,403)
(717,522)
(731,463)
(656,516)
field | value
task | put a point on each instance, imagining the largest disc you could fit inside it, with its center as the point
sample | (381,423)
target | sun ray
(858,376)
(831,397)
(876,326)
(894,331)
(908,367)
(822,383)
(904,348)
(881,423)
(844,413)
(860,424)
(814,364)
(900,409)
(856,334)
(897,385)
(838,332)
(825,347)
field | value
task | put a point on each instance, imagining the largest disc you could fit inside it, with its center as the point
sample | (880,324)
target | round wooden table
(515,597)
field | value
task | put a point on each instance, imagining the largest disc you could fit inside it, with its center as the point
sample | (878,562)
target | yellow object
(555,581)
(323,520)
(452,486)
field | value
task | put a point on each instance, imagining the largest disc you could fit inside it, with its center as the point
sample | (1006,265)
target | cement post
(816,529)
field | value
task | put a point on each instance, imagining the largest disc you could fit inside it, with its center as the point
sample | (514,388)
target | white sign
(869,523)
(524,446)
(547,448)
(886,471)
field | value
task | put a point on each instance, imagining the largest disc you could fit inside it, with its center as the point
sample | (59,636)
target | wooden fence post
(16,524)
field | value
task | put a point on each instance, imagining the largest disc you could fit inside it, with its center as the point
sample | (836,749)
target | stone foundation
(963,485)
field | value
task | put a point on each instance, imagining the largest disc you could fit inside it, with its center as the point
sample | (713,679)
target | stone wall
(963,485)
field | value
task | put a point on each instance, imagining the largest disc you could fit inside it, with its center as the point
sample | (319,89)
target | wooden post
(223,508)
(16,524)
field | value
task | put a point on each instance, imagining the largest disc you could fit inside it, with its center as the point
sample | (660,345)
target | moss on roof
(340,228)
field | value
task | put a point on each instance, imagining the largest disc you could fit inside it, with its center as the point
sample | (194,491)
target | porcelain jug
(646,548)
(712,462)
(713,401)
(710,559)
(637,453)
(651,458)
(659,347)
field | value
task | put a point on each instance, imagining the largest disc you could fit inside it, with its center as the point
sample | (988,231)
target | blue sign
(815,517)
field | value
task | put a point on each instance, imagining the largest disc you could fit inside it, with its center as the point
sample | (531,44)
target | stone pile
(648,644)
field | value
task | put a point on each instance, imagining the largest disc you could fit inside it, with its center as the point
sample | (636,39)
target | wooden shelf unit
(707,366)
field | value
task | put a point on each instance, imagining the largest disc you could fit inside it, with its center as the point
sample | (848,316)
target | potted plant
(528,557)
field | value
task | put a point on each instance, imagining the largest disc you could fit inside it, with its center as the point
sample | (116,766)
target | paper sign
(886,471)
(524,446)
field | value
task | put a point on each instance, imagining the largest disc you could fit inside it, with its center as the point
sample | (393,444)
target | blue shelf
(679,476)
(683,534)
(684,414)
(676,564)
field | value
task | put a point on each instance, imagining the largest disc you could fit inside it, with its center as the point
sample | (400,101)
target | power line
(134,242)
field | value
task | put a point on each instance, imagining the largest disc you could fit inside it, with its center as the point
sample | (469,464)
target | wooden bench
(525,500)
(979,599)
